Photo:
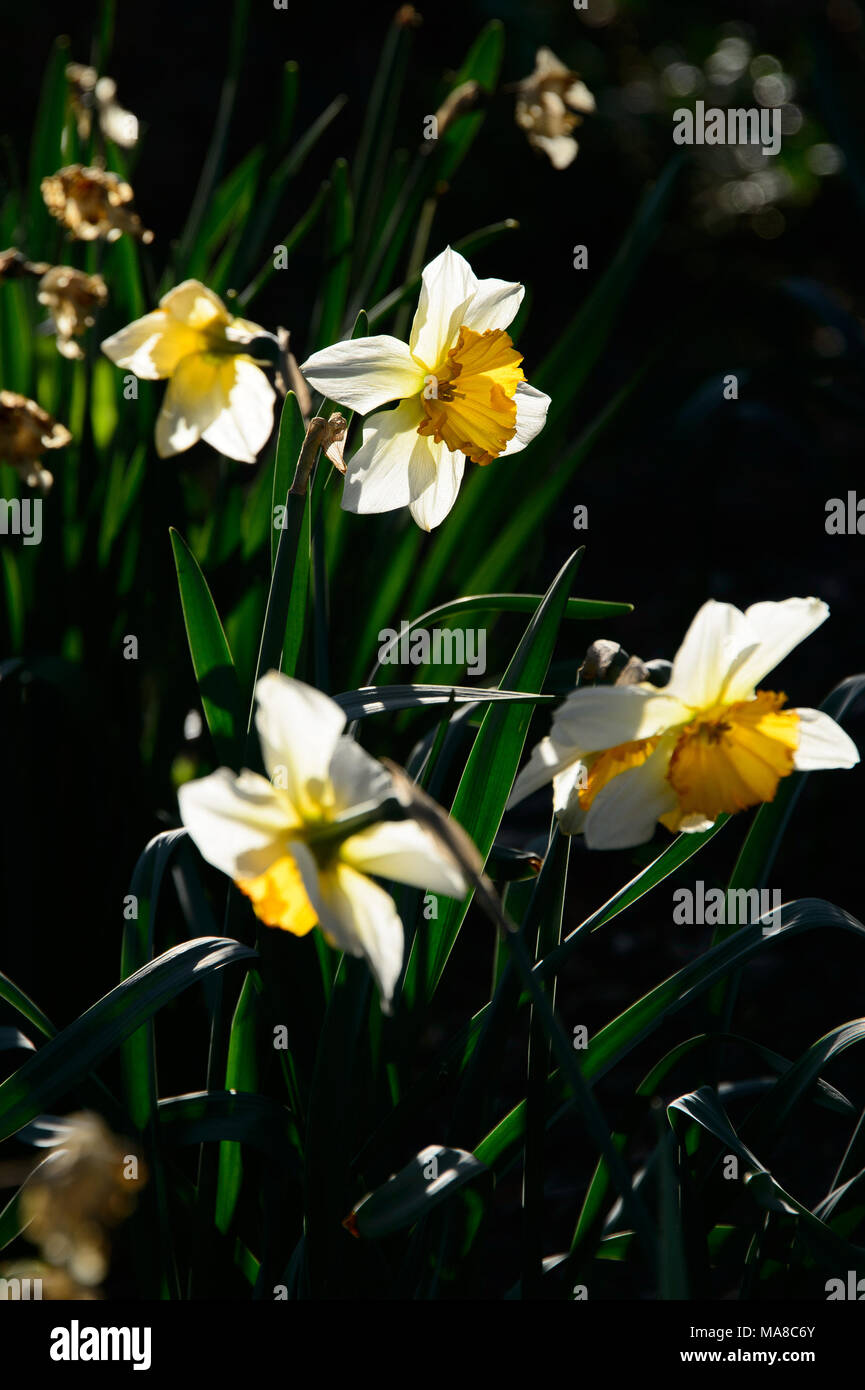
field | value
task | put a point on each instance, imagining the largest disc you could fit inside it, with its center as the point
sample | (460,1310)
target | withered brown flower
(33,1279)
(73,299)
(26,431)
(14,265)
(551,102)
(86,1186)
(92,204)
(91,94)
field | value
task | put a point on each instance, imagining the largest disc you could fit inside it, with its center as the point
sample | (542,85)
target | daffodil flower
(623,757)
(216,391)
(303,844)
(460,388)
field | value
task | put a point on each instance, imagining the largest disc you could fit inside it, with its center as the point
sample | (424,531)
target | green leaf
(585,609)
(489,774)
(241,1074)
(424,1183)
(375,140)
(482,1045)
(288,446)
(24,1005)
(228,208)
(683,848)
(124,483)
(565,369)
(207,1117)
(374,699)
(511,530)
(482,64)
(211,657)
(137,1052)
(766,1122)
(291,435)
(46,155)
(290,241)
(672,1266)
(123,273)
(542,935)
(216,150)
(328,1181)
(829,1248)
(616,1039)
(269,195)
(62,1062)
(331,307)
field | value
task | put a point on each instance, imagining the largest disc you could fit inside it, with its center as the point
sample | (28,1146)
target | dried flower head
(86,1186)
(407,17)
(73,299)
(14,265)
(26,431)
(33,1279)
(551,101)
(92,204)
(91,94)
(463,98)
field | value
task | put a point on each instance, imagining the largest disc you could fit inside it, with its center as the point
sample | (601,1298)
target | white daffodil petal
(541,768)
(407,853)
(152,347)
(560,149)
(365,373)
(532,406)
(448,286)
(772,631)
(361,918)
(599,717)
(566,798)
(357,778)
(240,824)
(435,475)
(695,824)
(194,398)
(716,636)
(243,426)
(377,476)
(195,305)
(625,811)
(299,729)
(494,306)
(822,743)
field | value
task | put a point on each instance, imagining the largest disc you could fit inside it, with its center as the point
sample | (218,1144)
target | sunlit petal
(365,373)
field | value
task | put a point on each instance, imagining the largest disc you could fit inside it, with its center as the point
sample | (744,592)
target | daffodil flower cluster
(459,388)
(307,842)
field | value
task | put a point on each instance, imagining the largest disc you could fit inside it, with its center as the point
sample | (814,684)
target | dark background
(689,497)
